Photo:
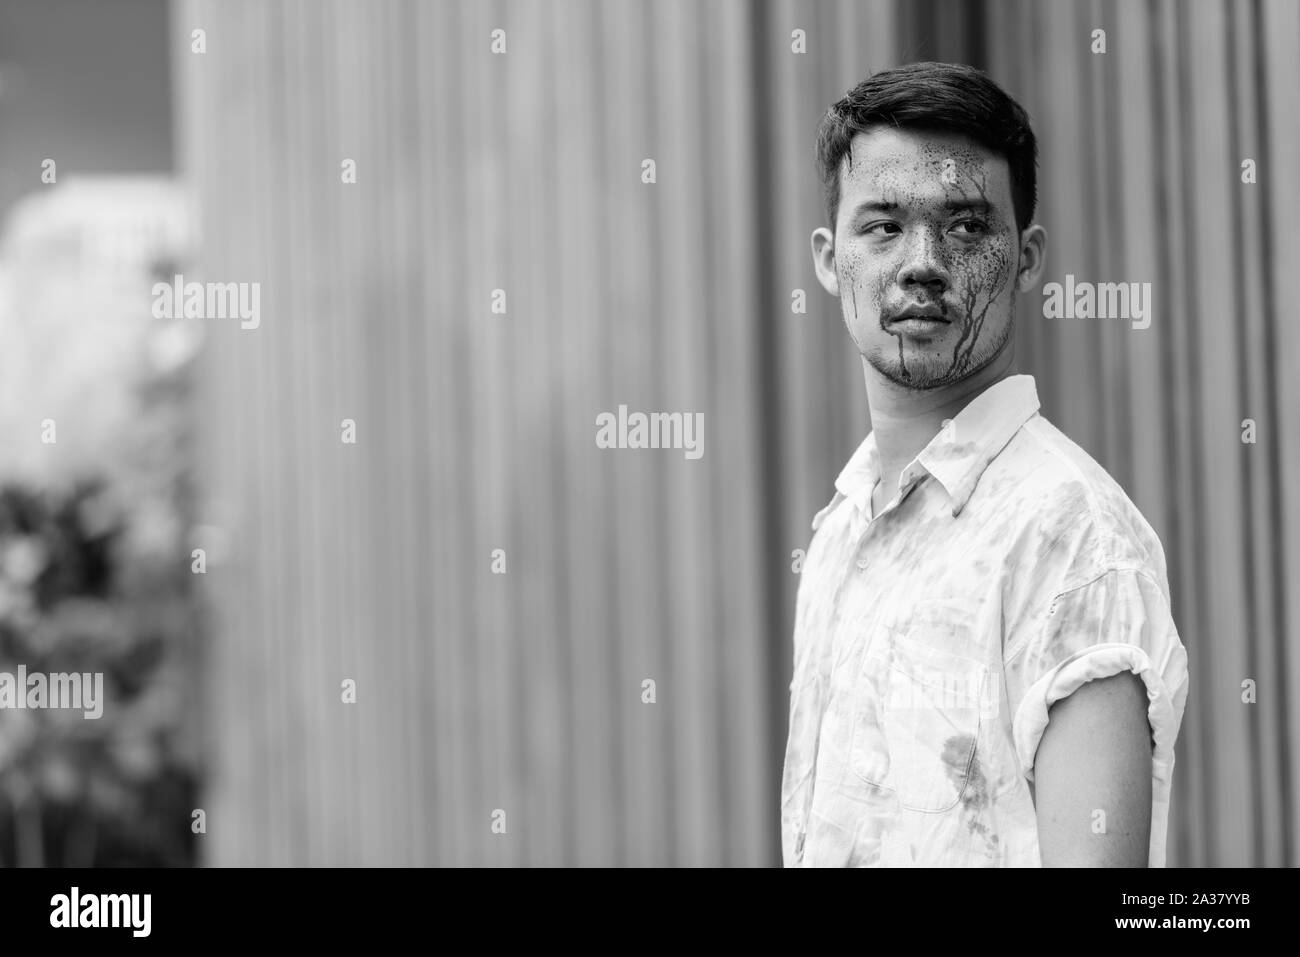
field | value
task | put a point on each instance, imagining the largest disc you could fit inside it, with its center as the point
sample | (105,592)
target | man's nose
(923,263)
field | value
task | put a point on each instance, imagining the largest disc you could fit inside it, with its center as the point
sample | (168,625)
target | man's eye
(972,227)
(882,229)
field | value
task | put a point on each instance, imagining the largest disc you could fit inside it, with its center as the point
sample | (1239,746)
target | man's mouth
(926,313)
(918,321)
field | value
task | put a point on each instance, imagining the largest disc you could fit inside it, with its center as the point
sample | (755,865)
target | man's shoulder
(1067,502)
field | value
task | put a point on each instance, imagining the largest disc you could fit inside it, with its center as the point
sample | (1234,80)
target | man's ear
(823,252)
(1033,257)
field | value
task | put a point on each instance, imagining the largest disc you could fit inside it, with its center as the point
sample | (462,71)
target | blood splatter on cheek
(979,271)
(979,277)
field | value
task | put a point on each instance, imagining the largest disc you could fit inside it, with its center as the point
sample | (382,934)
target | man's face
(926,254)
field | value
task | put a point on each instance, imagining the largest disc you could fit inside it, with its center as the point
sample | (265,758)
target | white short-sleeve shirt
(931,639)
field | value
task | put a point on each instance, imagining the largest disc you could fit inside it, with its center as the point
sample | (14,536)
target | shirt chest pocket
(917,717)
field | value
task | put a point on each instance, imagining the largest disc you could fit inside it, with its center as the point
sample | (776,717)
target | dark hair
(945,97)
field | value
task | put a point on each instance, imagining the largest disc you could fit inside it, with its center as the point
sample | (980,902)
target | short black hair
(943,97)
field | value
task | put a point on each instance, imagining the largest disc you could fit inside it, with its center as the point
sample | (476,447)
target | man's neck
(905,420)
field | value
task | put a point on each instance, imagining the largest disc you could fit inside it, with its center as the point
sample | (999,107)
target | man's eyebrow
(973,205)
(875,206)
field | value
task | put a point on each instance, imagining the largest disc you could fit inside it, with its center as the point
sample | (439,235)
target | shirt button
(862,563)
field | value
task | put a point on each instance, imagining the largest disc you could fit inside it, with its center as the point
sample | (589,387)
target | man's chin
(920,376)
(921,372)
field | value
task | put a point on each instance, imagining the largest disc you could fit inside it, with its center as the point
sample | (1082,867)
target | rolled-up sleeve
(1118,621)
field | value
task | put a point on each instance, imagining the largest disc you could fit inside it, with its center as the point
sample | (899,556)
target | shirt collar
(958,455)
(857,479)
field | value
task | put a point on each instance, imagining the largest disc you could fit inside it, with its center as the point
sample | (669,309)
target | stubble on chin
(927,366)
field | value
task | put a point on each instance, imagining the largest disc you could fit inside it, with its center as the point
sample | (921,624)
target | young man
(986,669)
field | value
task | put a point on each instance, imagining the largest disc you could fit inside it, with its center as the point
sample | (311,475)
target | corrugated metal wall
(475,431)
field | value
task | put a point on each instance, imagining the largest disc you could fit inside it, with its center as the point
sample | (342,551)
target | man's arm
(1092,777)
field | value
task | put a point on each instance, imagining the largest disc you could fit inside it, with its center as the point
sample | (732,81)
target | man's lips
(925,314)
(920,322)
